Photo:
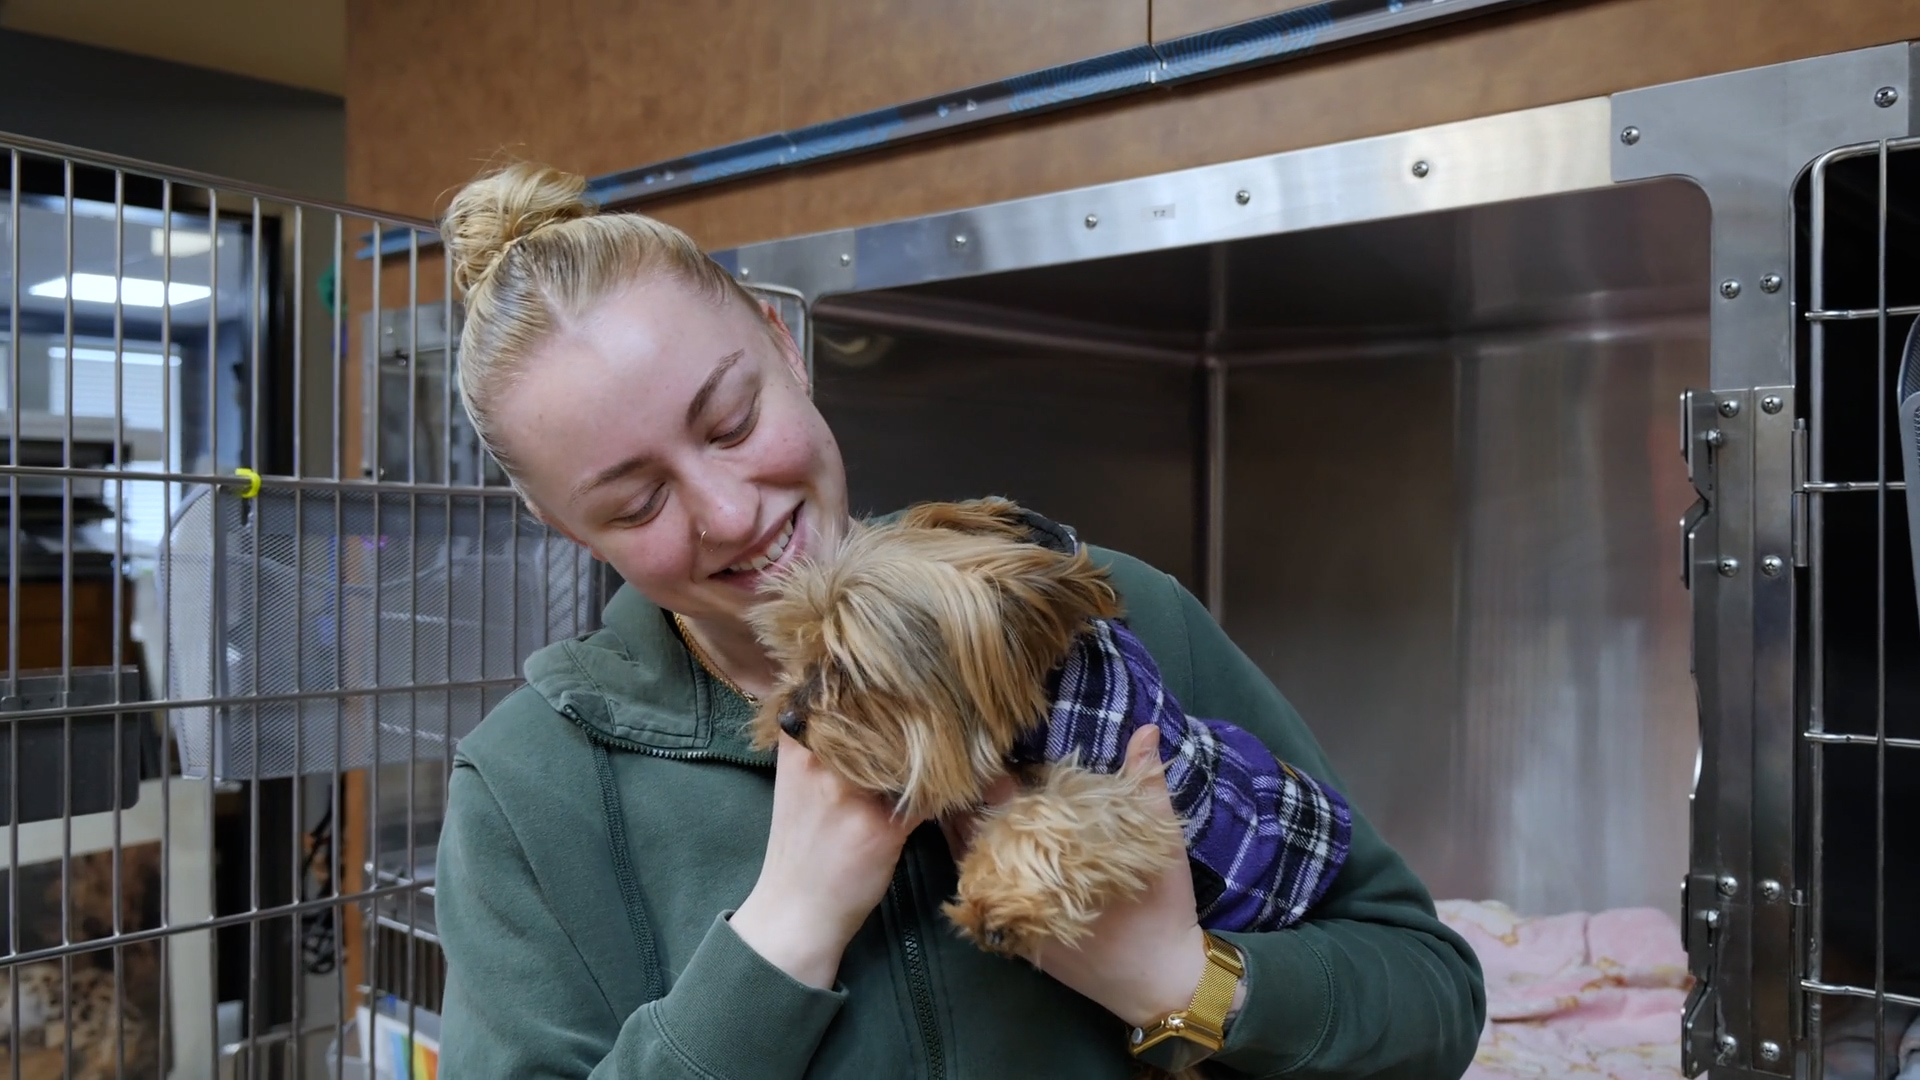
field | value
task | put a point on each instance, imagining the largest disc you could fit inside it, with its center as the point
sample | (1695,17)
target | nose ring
(703,538)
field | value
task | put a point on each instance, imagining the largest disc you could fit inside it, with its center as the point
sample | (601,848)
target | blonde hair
(531,252)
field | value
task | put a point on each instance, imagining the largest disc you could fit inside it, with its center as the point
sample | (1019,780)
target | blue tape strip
(1083,80)
(1246,43)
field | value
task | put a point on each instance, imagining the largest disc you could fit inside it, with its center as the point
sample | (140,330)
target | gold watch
(1184,1038)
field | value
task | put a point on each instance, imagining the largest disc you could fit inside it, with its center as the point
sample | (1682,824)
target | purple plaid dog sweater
(1263,839)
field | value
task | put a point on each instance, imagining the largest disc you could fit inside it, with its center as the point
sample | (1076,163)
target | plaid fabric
(1264,840)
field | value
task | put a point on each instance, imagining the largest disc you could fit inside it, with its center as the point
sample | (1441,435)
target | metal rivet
(1729,288)
(1727,884)
(959,240)
(846,259)
(1769,1051)
(1716,437)
(1728,568)
(1243,196)
(1630,135)
(1729,408)
(1093,220)
(1886,97)
(1769,283)
(1771,404)
(1772,565)
(1771,891)
(745,273)
(1421,169)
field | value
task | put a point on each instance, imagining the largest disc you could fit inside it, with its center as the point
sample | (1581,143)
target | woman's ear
(789,347)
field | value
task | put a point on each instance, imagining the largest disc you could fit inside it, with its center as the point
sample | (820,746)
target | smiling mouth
(772,553)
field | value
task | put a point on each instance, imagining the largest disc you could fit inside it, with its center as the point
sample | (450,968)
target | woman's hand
(1145,957)
(831,853)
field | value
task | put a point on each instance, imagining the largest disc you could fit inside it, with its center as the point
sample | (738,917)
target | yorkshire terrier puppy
(929,658)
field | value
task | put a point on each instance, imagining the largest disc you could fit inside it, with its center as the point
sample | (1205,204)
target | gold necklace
(700,656)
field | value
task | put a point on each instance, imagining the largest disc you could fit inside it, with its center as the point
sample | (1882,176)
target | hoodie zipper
(594,734)
(913,954)
(900,894)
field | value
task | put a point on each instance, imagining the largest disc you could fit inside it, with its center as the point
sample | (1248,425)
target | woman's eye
(741,430)
(643,513)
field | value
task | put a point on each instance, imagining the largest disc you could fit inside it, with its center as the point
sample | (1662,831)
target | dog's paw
(1043,866)
(1011,923)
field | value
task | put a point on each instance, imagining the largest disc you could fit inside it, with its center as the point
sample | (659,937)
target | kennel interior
(1446,475)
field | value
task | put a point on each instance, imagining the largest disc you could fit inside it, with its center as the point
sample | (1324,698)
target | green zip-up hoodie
(604,821)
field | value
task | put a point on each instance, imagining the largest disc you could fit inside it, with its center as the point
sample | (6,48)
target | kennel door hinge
(1802,500)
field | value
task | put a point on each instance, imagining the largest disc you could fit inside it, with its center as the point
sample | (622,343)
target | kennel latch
(1700,1019)
(1700,438)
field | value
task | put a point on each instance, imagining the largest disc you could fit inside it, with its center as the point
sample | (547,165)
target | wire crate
(314,631)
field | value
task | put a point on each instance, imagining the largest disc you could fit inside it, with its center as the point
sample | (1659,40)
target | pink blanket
(1597,996)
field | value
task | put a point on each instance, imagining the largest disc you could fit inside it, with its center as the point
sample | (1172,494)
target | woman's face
(673,436)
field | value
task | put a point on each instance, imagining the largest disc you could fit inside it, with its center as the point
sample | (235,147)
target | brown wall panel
(1550,53)
(440,87)
(1178,18)
(840,57)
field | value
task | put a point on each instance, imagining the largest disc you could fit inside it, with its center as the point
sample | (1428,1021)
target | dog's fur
(913,656)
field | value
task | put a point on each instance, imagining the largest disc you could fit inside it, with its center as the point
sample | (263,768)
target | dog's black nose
(794,724)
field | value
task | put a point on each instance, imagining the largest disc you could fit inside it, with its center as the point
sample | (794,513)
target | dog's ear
(993,516)
(1047,599)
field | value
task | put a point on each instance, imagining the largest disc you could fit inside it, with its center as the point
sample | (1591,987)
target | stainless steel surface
(1511,156)
(1109,446)
(1745,138)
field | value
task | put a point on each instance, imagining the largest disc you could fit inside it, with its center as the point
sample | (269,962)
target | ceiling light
(105,356)
(139,292)
(185,242)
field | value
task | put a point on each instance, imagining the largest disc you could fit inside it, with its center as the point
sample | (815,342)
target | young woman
(626,890)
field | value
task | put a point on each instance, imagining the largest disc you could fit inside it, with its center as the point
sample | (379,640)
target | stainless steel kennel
(1544,460)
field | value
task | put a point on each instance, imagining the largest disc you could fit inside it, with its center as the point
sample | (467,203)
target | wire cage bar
(1860,715)
(260,580)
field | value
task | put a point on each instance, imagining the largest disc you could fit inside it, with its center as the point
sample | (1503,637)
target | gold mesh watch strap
(1214,996)
(1204,1020)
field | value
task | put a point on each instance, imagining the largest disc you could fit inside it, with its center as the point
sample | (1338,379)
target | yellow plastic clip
(253,482)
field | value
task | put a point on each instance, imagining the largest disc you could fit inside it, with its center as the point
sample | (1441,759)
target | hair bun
(497,210)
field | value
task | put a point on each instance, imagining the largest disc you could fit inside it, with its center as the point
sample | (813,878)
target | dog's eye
(794,723)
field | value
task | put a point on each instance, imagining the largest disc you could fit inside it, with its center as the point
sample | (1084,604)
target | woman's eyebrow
(704,396)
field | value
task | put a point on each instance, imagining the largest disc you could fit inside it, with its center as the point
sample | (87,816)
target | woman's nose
(725,511)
